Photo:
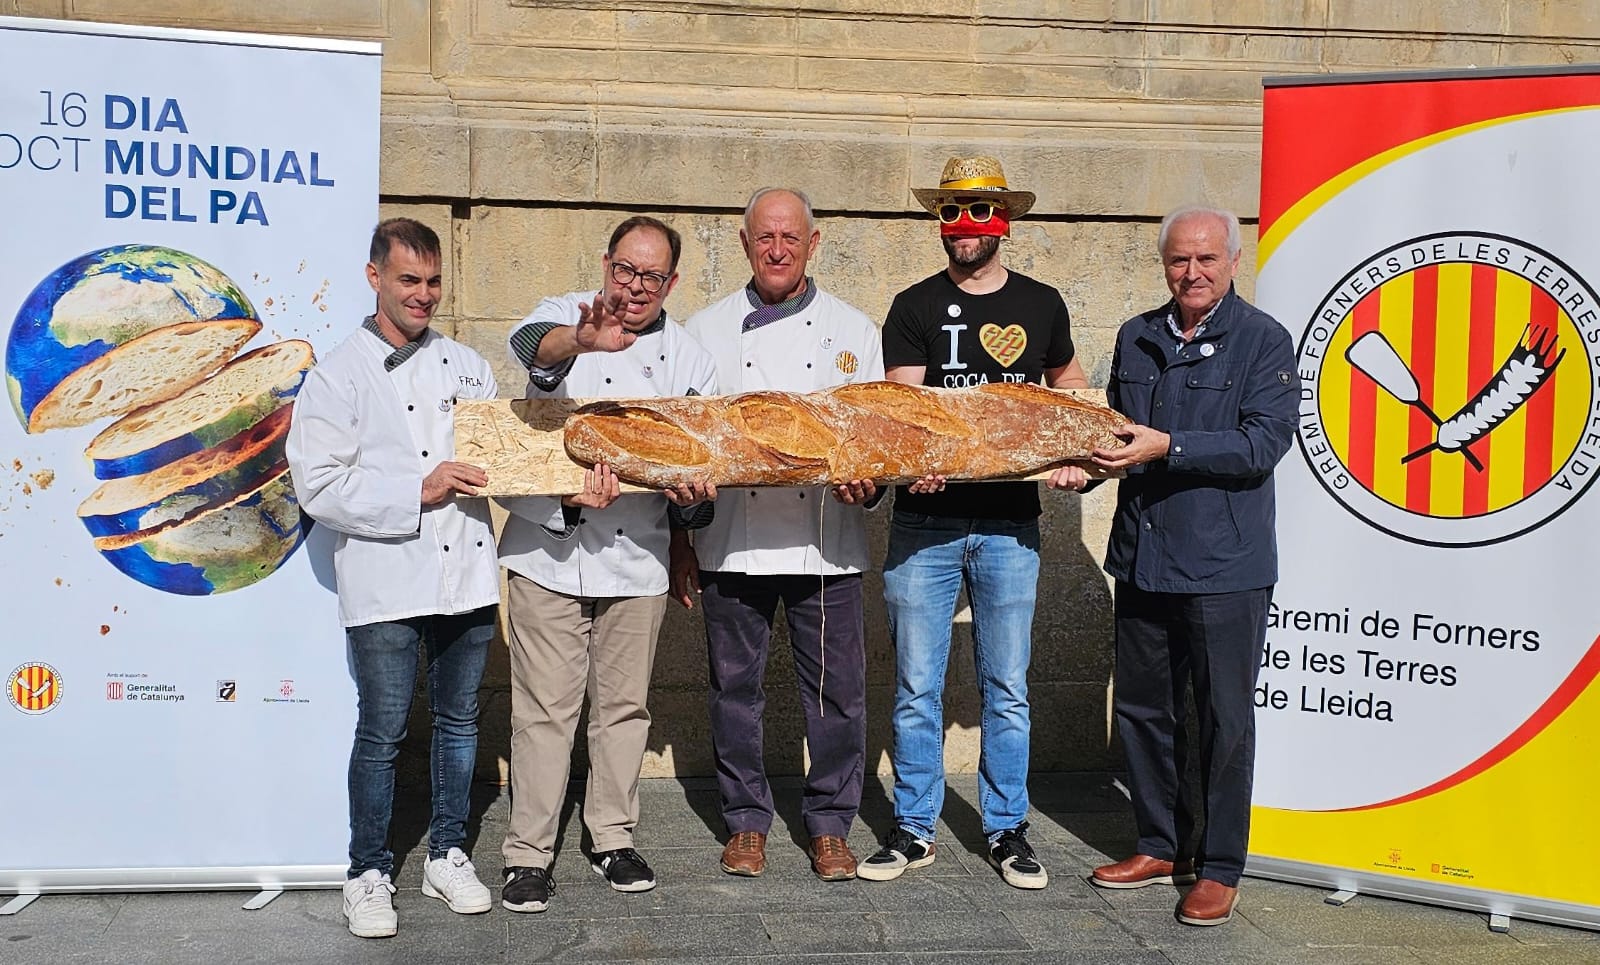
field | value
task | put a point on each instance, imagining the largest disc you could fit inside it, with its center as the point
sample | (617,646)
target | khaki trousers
(563,647)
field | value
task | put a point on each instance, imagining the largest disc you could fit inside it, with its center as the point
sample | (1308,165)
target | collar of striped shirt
(765,314)
(400,354)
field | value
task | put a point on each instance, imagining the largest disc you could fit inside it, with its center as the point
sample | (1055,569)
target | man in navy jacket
(1208,384)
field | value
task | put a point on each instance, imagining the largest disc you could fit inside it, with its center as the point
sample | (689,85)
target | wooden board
(518,442)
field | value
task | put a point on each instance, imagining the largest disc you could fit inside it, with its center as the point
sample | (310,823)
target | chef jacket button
(802,494)
(752,494)
(608,381)
(410,408)
(447,548)
(1147,526)
(748,364)
(619,532)
(480,542)
(447,361)
(424,453)
(808,365)
(808,321)
(1158,403)
(663,358)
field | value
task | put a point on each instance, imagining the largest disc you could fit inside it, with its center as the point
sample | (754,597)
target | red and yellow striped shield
(34,688)
(1455,326)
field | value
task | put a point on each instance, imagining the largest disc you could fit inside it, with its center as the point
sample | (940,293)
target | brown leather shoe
(745,854)
(831,858)
(1141,870)
(1208,903)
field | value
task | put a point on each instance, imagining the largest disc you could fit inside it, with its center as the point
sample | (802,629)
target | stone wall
(523,130)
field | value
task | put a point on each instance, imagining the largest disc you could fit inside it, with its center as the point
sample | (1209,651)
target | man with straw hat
(972,323)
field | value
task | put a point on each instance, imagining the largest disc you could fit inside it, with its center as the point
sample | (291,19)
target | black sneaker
(901,850)
(527,889)
(624,869)
(1013,857)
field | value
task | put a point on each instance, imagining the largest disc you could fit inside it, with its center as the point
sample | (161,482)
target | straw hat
(979,176)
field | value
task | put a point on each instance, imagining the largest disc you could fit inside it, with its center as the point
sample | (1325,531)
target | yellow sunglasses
(979,211)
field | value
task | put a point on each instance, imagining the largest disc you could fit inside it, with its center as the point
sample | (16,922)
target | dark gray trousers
(739,612)
(1163,641)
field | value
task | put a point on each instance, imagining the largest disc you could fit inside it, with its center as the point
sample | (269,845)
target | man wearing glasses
(588,572)
(973,323)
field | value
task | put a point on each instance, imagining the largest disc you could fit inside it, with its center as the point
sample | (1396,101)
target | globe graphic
(104,299)
(113,334)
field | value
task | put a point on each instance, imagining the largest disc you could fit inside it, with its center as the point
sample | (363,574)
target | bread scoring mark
(623,432)
(785,424)
(902,403)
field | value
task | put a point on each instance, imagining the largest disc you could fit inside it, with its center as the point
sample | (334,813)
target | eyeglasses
(623,274)
(979,211)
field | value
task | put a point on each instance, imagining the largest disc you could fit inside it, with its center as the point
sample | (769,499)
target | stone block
(1576,21)
(1443,17)
(1057,43)
(1288,15)
(719,168)
(1380,53)
(890,39)
(423,157)
(357,19)
(551,162)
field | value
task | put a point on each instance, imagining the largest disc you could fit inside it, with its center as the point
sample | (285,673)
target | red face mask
(965,224)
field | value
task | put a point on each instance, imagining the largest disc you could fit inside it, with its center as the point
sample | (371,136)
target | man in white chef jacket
(794,546)
(588,573)
(414,560)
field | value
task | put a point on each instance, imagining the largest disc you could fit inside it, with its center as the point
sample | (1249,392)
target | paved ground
(954,911)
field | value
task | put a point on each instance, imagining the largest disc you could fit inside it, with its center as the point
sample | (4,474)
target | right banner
(1427,705)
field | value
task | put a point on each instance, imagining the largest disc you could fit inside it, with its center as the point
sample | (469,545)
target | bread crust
(885,431)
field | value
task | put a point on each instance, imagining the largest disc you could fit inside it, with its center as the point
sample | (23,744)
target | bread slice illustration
(229,546)
(192,484)
(248,389)
(120,328)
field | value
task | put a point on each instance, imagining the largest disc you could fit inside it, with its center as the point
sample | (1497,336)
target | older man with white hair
(790,546)
(1208,384)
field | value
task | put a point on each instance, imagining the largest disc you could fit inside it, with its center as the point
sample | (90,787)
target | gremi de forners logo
(34,688)
(1448,389)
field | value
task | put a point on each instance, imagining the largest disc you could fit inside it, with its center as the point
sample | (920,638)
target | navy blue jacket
(1203,520)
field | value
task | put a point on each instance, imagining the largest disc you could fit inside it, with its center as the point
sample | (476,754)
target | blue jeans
(929,558)
(383,657)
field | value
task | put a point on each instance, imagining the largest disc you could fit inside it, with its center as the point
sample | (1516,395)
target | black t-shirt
(964,340)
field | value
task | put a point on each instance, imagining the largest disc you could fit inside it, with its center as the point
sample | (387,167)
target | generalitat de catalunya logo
(1448,387)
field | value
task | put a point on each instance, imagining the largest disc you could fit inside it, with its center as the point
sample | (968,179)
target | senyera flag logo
(1447,391)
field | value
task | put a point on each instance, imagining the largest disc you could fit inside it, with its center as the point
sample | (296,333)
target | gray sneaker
(901,850)
(1013,857)
(369,905)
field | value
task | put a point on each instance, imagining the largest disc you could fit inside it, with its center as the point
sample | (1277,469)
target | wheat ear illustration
(1528,367)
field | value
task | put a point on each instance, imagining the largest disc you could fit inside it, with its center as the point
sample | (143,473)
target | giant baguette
(884,431)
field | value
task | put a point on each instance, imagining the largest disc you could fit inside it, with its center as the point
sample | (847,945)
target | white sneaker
(368,905)
(453,880)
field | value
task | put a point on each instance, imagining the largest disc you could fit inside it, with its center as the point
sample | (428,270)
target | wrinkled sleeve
(523,343)
(1266,419)
(332,484)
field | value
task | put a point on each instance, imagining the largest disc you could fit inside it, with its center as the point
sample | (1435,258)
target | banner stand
(1501,908)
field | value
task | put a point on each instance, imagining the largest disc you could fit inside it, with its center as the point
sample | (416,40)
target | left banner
(188,218)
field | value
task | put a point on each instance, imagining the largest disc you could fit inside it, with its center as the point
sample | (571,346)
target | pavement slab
(955,911)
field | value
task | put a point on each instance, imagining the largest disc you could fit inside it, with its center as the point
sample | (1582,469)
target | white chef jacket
(766,531)
(361,440)
(620,550)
